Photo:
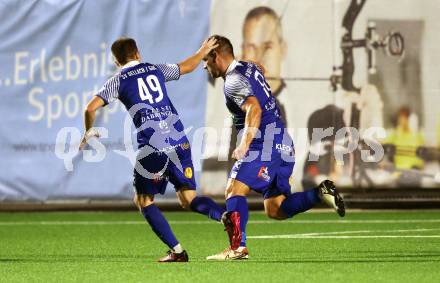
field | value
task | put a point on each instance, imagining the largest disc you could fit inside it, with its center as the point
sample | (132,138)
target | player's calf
(204,205)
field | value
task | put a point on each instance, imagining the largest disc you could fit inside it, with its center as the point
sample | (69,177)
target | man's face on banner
(262,44)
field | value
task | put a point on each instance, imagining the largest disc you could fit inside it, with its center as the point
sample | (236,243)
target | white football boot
(230,254)
(330,196)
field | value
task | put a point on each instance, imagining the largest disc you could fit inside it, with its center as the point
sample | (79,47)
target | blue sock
(208,207)
(239,203)
(159,225)
(300,202)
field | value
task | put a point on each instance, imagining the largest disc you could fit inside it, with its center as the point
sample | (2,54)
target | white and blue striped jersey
(141,88)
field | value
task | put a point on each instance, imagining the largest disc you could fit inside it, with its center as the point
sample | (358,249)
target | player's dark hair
(258,12)
(404,111)
(123,49)
(224,45)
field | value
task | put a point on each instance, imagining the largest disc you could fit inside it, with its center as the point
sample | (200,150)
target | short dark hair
(404,111)
(123,49)
(257,12)
(224,45)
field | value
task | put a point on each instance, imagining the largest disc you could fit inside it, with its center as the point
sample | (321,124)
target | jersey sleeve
(171,72)
(109,92)
(238,88)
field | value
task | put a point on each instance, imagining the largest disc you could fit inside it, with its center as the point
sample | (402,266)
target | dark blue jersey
(141,88)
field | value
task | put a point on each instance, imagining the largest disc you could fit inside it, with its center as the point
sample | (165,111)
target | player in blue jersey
(265,155)
(164,150)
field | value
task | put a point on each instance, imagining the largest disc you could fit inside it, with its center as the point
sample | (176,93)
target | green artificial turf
(120,247)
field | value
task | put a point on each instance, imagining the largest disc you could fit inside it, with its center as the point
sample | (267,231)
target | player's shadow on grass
(75,258)
(363,257)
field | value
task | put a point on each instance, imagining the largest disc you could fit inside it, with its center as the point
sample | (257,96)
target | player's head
(263,41)
(218,60)
(124,50)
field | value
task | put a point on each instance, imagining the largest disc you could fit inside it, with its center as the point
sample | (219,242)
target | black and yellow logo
(188,172)
(185,146)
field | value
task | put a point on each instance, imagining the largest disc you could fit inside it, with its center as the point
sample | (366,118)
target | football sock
(178,249)
(159,225)
(300,202)
(239,203)
(208,207)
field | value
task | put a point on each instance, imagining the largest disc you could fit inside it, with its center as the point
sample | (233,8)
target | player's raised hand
(207,46)
(189,64)
(88,135)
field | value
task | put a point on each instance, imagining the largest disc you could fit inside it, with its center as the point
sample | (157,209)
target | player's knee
(272,214)
(135,201)
(275,213)
(143,200)
(235,191)
(186,196)
(185,204)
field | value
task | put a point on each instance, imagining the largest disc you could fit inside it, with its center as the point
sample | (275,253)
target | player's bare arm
(189,64)
(252,122)
(89,119)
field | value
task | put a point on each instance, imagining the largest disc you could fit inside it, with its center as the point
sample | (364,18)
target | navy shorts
(269,178)
(152,172)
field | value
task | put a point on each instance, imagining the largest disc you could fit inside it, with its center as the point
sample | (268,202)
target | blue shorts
(158,168)
(269,178)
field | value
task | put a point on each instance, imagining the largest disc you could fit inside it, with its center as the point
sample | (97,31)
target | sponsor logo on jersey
(188,172)
(157,178)
(264,173)
(163,125)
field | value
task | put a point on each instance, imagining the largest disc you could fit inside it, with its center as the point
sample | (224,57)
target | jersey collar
(231,67)
(130,64)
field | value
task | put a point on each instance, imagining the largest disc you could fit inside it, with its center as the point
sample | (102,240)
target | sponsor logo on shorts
(284,148)
(188,172)
(264,173)
(184,145)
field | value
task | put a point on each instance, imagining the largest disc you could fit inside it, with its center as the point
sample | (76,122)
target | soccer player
(164,150)
(265,153)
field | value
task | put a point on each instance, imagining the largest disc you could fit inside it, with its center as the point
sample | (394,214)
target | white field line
(206,222)
(334,235)
(366,231)
(344,237)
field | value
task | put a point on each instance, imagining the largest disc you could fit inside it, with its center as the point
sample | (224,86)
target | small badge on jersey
(264,173)
(188,172)
(157,178)
(185,145)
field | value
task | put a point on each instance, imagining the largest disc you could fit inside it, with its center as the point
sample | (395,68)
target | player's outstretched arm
(190,63)
(89,119)
(252,122)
